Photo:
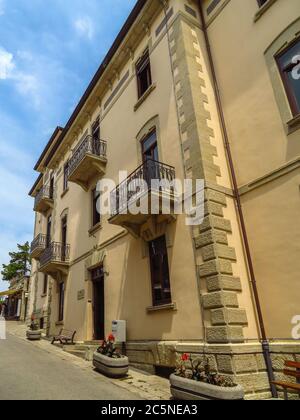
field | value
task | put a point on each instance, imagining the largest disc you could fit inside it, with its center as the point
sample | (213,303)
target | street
(30,373)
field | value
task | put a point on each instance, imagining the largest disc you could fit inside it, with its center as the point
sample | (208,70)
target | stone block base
(243,362)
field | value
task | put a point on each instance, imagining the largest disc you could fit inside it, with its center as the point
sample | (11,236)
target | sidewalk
(147,386)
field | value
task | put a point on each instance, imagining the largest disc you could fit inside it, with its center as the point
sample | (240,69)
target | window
(61,302)
(49,227)
(64,231)
(261,2)
(96,218)
(51,189)
(289,66)
(66,175)
(45,284)
(96,129)
(150,147)
(160,277)
(143,71)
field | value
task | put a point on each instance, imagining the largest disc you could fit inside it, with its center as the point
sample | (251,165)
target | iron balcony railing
(150,170)
(89,145)
(55,252)
(46,192)
(38,242)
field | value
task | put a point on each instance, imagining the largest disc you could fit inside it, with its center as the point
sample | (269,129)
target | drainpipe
(264,339)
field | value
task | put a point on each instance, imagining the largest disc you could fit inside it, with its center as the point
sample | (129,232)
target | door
(25,308)
(51,189)
(49,224)
(98,303)
(150,156)
(96,137)
(150,147)
(64,228)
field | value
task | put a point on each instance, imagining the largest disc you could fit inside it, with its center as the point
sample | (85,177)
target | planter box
(34,335)
(114,368)
(186,389)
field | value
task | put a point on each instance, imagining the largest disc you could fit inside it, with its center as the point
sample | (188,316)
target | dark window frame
(261,3)
(66,177)
(152,148)
(49,231)
(295,108)
(51,187)
(143,74)
(159,259)
(45,284)
(61,301)
(96,216)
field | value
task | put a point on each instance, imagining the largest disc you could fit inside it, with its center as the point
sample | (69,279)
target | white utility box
(119,331)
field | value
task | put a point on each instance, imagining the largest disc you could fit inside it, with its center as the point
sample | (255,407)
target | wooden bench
(64,337)
(292,369)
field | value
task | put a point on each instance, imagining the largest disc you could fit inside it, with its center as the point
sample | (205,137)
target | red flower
(185,357)
(111,338)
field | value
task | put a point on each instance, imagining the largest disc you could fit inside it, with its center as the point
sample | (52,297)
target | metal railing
(38,242)
(55,252)
(45,192)
(89,145)
(150,170)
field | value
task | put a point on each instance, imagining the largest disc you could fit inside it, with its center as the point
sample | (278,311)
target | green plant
(19,264)
(108,348)
(199,370)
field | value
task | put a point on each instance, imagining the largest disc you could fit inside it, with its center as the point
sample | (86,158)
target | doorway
(49,225)
(98,303)
(64,229)
(150,147)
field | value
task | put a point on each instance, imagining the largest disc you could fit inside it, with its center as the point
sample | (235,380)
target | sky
(49,51)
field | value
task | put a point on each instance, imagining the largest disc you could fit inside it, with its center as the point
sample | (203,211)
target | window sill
(263,9)
(64,193)
(59,323)
(293,124)
(144,97)
(44,295)
(95,229)
(168,307)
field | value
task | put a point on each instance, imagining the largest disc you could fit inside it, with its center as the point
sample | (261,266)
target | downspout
(264,339)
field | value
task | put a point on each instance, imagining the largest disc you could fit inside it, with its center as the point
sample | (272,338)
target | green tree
(19,264)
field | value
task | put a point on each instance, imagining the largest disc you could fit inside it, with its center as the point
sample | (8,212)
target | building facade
(187,91)
(17,298)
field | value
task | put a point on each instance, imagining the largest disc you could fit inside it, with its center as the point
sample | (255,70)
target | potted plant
(194,380)
(109,361)
(34,333)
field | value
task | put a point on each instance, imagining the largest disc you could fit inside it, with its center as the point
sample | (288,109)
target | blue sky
(49,51)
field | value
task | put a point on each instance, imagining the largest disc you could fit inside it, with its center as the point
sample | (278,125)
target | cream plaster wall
(258,139)
(128,286)
(273,212)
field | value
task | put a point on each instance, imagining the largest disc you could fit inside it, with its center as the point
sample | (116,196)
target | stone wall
(243,362)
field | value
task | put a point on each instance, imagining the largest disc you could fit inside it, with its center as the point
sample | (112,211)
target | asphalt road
(29,373)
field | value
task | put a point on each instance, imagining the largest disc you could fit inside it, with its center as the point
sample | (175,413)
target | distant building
(17,298)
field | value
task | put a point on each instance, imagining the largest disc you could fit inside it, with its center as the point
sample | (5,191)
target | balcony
(38,246)
(44,200)
(144,203)
(55,259)
(88,160)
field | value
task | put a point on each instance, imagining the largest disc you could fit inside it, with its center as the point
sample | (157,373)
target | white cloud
(25,83)
(7,64)
(28,85)
(84,27)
